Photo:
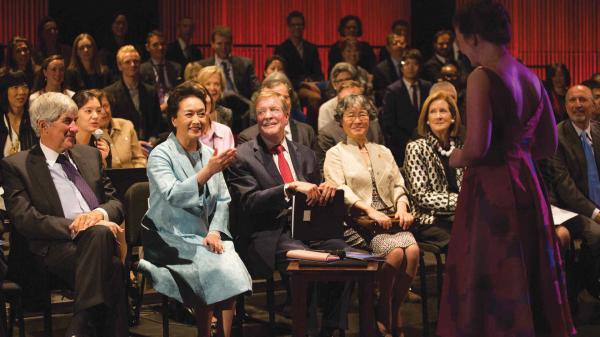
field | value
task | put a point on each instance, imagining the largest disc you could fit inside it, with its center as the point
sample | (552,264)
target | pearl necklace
(446,153)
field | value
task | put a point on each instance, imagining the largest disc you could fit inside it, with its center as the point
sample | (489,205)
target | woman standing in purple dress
(503,273)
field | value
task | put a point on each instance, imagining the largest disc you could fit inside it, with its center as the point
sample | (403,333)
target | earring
(453,121)
(427,122)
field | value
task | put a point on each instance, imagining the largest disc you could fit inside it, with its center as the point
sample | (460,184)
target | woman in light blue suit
(188,250)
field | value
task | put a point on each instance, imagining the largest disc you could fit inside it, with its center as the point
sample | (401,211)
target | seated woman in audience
(191,71)
(272,64)
(372,184)
(350,28)
(85,70)
(51,78)
(187,247)
(350,54)
(213,79)
(125,149)
(432,183)
(88,115)
(18,57)
(115,39)
(557,83)
(215,135)
(16,133)
(48,41)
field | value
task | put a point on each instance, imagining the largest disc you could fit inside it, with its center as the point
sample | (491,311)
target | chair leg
(48,318)
(271,304)
(165,315)
(423,277)
(11,317)
(240,316)
(20,318)
(140,298)
(3,315)
(439,266)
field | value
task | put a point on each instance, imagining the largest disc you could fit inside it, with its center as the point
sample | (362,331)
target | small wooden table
(300,276)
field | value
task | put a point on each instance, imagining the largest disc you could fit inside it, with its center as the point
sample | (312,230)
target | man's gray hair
(353,100)
(48,108)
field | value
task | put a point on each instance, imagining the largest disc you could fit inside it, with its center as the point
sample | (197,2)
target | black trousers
(91,266)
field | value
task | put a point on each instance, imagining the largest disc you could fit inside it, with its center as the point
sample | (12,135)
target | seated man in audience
(301,57)
(181,50)
(402,104)
(388,70)
(574,175)
(294,131)
(399,27)
(340,73)
(59,199)
(133,99)
(268,170)
(595,87)
(157,71)
(332,132)
(442,54)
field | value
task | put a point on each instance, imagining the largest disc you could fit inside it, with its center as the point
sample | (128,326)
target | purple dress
(504,272)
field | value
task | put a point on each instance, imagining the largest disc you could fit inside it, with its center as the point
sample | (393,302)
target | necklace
(446,153)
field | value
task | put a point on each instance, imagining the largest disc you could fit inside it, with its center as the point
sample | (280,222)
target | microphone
(98,133)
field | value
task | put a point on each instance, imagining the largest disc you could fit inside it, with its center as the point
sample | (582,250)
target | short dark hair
(399,22)
(591,84)
(294,14)
(348,18)
(152,33)
(414,54)
(488,19)
(83,96)
(443,32)
(273,58)
(181,92)
(221,30)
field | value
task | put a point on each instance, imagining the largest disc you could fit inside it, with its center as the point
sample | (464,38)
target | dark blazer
(255,181)
(432,69)
(383,75)
(147,121)
(298,68)
(399,117)
(332,133)
(76,80)
(173,73)
(175,54)
(243,73)
(301,133)
(32,200)
(569,170)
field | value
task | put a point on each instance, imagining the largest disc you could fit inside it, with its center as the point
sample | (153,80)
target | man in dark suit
(181,50)
(157,71)
(240,76)
(388,70)
(442,54)
(574,174)
(302,58)
(59,199)
(268,170)
(402,104)
(132,99)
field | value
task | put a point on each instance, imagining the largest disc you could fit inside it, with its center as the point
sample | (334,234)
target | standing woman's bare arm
(479,117)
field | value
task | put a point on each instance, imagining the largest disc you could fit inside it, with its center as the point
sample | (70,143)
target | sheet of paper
(561,215)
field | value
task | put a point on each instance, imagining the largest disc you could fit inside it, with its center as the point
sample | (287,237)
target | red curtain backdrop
(550,31)
(20,17)
(259,24)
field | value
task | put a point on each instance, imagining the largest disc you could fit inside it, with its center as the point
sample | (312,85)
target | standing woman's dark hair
(488,19)
(19,57)
(85,71)
(345,20)
(48,41)
(16,133)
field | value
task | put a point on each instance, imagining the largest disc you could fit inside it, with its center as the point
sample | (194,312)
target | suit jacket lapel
(294,129)
(296,162)
(266,158)
(40,177)
(595,131)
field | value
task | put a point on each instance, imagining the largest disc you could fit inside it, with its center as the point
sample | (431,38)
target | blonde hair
(191,71)
(264,94)
(455,128)
(207,72)
(128,48)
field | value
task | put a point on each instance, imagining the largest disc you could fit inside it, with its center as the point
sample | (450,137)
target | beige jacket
(345,168)
(125,150)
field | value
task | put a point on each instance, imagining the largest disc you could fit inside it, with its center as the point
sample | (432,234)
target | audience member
(182,50)
(157,71)
(432,183)
(125,149)
(85,70)
(18,57)
(213,79)
(59,199)
(350,54)
(115,39)
(215,135)
(399,27)
(240,77)
(188,249)
(388,70)
(87,122)
(279,81)
(442,54)
(51,78)
(341,73)
(350,28)
(272,64)
(132,99)
(302,57)
(558,80)
(332,133)
(574,174)
(191,71)
(16,133)
(295,131)
(402,102)
(268,170)
(595,87)
(373,185)
(48,42)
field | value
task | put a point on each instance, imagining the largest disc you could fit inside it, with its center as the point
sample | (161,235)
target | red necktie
(284,167)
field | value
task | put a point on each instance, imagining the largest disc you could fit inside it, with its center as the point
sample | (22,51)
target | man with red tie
(268,170)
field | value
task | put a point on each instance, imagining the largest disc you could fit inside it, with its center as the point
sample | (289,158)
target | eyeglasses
(352,116)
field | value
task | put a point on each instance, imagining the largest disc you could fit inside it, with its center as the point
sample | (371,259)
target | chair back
(136,205)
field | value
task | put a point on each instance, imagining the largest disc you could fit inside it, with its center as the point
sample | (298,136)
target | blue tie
(592,170)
